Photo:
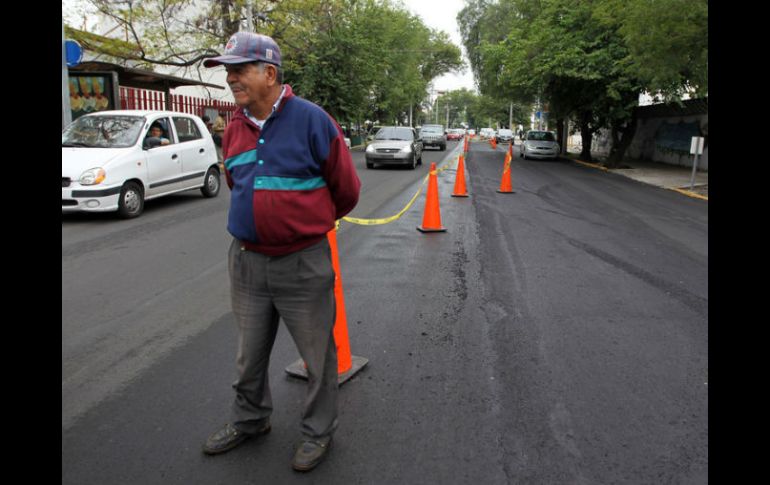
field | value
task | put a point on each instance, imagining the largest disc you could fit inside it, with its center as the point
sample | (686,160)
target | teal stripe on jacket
(241,159)
(288,183)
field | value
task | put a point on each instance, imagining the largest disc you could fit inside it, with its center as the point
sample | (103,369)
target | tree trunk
(230,25)
(560,136)
(621,143)
(586,135)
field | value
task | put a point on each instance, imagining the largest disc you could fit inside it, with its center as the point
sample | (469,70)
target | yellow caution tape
(386,220)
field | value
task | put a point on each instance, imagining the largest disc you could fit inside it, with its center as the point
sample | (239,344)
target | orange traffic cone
(493,143)
(460,190)
(431,219)
(505,183)
(347,365)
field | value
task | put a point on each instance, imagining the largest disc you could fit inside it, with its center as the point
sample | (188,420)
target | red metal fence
(143,99)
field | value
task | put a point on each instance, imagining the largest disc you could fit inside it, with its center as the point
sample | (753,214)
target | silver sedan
(540,144)
(395,145)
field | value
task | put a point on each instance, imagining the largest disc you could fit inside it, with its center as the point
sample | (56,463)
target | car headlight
(370,149)
(407,149)
(93,177)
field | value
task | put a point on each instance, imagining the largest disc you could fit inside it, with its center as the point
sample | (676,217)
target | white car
(111,163)
(487,133)
(540,144)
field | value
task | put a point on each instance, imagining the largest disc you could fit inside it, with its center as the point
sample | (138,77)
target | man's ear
(271,73)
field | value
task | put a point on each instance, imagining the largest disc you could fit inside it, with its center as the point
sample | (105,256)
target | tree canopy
(356,58)
(588,60)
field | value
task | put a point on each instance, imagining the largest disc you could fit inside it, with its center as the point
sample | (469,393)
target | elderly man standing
(291,176)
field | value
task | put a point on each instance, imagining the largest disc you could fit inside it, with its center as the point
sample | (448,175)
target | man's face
(155,132)
(249,83)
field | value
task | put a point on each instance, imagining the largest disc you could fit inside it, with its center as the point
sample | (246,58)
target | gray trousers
(298,288)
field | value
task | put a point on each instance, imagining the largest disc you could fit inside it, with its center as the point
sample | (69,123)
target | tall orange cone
(460,190)
(493,143)
(347,365)
(431,218)
(505,183)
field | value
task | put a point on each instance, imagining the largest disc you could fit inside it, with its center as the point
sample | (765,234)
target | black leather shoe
(309,454)
(228,438)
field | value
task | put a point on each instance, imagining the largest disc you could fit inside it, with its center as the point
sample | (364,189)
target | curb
(688,193)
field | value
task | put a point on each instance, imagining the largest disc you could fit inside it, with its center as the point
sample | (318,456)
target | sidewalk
(672,177)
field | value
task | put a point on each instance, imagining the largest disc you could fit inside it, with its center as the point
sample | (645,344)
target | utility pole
(447,117)
(510,116)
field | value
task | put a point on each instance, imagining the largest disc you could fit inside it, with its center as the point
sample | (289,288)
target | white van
(111,163)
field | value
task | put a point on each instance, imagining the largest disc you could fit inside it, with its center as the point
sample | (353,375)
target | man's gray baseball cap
(247,47)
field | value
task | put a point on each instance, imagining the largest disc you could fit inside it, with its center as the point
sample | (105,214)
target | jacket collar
(287,93)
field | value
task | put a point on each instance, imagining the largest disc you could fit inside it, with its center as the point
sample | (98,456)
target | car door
(196,154)
(164,163)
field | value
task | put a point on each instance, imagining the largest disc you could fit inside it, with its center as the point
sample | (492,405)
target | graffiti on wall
(676,137)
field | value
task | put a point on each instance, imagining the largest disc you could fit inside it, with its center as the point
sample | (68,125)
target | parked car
(504,135)
(433,136)
(454,134)
(540,144)
(395,145)
(111,163)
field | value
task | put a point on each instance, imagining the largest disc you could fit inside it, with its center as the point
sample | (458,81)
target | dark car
(395,145)
(433,136)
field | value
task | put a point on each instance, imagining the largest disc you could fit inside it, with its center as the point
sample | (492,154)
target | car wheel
(369,165)
(131,202)
(419,160)
(413,165)
(211,183)
(443,147)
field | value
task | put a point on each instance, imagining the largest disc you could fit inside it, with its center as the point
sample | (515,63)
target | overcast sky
(442,15)
(436,14)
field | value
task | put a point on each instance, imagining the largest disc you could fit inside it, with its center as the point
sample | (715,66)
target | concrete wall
(659,139)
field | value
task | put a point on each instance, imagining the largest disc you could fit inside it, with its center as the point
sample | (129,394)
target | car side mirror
(151,142)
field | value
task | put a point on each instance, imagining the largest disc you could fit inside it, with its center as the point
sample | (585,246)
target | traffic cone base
(297,369)
(423,229)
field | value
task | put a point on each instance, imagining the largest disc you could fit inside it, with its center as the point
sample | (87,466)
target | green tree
(589,59)
(356,58)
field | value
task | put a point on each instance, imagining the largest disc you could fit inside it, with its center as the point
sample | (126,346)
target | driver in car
(156,131)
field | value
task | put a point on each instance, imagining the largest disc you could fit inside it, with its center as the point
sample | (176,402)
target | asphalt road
(554,335)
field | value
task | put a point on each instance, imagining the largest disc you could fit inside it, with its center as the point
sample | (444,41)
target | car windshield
(394,133)
(540,136)
(103,131)
(432,130)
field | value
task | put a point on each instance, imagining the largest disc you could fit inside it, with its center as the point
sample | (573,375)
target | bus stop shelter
(132,77)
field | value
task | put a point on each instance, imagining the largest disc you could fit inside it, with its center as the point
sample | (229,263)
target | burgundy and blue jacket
(289,181)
